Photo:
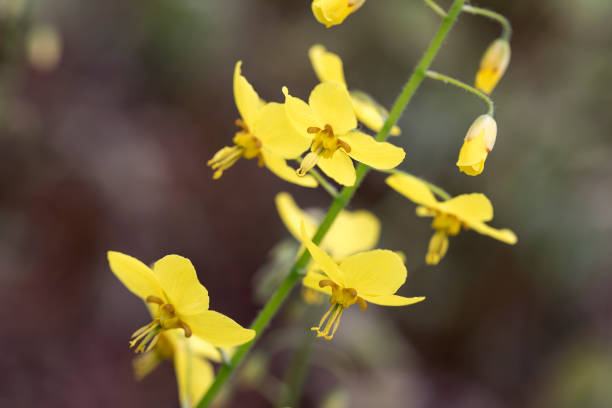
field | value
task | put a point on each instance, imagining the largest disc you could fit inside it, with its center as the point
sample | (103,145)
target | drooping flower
(265,134)
(190,355)
(180,303)
(477,144)
(328,67)
(329,120)
(333,12)
(469,211)
(372,276)
(493,65)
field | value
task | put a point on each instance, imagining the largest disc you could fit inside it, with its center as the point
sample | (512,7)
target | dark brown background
(108,151)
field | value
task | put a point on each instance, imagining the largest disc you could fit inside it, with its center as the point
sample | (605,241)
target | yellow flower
(478,142)
(469,211)
(351,232)
(328,67)
(329,120)
(179,301)
(372,276)
(332,12)
(194,373)
(493,65)
(265,134)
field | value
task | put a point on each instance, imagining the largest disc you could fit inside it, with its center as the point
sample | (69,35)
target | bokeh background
(109,111)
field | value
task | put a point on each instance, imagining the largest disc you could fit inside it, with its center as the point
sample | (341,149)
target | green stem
(340,201)
(505,23)
(449,80)
(434,6)
(322,180)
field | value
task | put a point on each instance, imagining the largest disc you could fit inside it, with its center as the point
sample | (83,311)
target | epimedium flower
(372,276)
(477,144)
(329,120)
(333,12)
(191,357)
(329,67)
(264,134)
(351,232)
(493,65)
(179,302)
(467,211)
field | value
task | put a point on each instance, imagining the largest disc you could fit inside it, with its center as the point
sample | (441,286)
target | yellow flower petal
(352,232)
(299,113)
(331,104)
(194,375)
(392,300)
(504,235)
(218,329)
(327,65)
(135,275)
(198,346)
(473,206)
(292,215)
(377,272)
(412,188)
(277,133)
(380,155)
(312,279)
(371,113)
(247,100)
(179,281)
(278,166)
(339,167)
(327,264)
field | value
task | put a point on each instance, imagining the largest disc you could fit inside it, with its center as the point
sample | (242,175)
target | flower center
(341,299)
(245,145)
(145,338)
(324,144)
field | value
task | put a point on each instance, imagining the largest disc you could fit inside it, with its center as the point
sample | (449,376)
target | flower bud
(493,65)
(479,141)
(333,12)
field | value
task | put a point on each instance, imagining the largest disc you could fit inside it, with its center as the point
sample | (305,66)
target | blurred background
(109,111)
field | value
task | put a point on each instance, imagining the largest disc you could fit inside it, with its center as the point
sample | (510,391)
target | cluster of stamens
(245,145)
(145,338)
(324,144)
(341,298)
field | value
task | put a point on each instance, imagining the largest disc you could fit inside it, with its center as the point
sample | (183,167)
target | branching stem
(450,80)
(340,201)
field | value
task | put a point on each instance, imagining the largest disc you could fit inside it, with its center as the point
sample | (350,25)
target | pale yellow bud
(478,142)
(333,12)
(493,65)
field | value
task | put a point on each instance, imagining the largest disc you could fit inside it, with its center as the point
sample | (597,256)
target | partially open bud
(479,141)
(493,65)
(333,12)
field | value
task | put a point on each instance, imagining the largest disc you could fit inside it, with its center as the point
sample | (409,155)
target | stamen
(313,130)
(147,339)
(242,124)
(154,299)
(308,163)
(363,305)
(344,146)
(185,328)
(224,159)
(336,325)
